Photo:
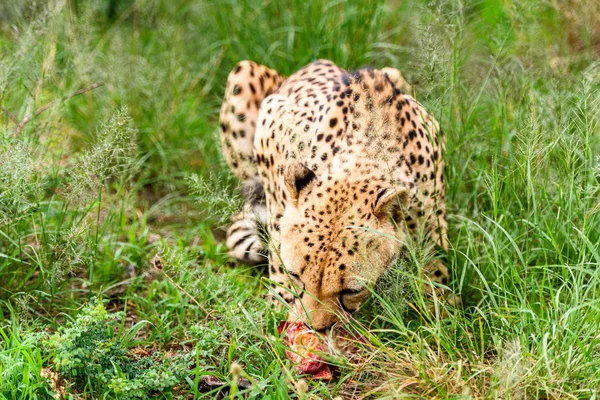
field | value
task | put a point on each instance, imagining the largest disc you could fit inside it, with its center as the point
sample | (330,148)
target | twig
(10,115)
(68,97)
(28,111)
(158,264)
(29,114)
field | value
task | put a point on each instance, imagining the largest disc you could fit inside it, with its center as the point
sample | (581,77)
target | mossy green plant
(93,352)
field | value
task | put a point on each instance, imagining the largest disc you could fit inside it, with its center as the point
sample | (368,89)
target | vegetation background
(108,156)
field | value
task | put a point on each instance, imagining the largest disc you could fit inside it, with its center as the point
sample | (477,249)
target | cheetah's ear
(297,177)
(390,202)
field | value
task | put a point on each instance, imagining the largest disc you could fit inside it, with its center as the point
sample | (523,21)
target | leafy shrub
(92,353)
(209,346)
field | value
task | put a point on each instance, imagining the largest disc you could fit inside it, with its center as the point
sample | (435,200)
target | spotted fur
(345,167)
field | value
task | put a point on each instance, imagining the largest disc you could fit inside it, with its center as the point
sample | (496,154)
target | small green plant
(93,351)
(209,346)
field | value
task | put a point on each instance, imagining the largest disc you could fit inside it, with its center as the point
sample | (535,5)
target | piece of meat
(303,343)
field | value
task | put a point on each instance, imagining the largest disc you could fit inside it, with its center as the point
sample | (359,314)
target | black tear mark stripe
(304,180)
(379,195)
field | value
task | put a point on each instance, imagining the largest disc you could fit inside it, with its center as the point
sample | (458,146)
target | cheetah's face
(337,238)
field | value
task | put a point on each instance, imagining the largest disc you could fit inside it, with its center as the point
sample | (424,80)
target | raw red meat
(303,343)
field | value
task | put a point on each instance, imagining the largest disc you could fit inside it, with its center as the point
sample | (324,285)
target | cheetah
(339,169)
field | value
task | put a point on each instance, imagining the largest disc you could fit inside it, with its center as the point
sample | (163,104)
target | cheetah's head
(338,235)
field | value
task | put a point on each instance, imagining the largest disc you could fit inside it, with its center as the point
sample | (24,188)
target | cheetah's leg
(246,237)
(247,86)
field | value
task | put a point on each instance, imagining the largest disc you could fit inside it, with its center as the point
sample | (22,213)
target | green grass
(98,183)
